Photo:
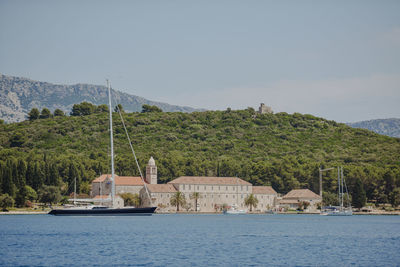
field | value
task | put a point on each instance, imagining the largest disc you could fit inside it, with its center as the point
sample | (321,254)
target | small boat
(115,208)
(234,210)
(340,210)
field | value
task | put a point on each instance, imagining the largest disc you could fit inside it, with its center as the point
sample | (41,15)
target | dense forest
(282,150)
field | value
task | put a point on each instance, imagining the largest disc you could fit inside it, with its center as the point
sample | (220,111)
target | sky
(334,59)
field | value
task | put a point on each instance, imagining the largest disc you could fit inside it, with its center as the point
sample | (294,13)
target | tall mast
(75,192)
(112,146)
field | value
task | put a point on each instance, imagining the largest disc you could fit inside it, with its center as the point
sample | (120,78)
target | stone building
(263,109)
(160,197)
(292,199)
(266,196)
(215,192)
(124,184)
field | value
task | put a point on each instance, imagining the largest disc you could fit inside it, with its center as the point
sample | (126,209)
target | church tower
(151,172)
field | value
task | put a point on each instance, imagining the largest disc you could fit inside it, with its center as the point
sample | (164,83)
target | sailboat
(94,210)
(340,210)
(234,209)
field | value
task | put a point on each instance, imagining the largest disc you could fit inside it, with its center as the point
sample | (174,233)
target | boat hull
(104,212)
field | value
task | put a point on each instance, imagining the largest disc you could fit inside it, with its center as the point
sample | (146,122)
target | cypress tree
(22,172)
(359,196)
(54,176)
(8,186)
(29,173)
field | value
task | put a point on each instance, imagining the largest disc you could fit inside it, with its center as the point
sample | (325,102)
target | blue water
(200,240)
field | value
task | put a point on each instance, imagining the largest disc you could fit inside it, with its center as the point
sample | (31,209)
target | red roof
(161,188)
(264,190)
(209,180)
(301,193)
(120,180)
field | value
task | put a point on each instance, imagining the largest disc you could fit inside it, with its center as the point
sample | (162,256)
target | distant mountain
(19,95)
(389,127)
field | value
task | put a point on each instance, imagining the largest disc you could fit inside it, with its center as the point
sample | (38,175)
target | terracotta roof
(265,190)
(209,180)
(301,193)
(161,188)
(120,180)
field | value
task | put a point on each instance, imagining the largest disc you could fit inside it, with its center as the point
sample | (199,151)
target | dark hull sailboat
(104,211)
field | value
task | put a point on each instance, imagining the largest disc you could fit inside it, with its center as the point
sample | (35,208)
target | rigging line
(347,192)
(133,151)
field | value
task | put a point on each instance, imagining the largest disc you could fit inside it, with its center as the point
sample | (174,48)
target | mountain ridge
(19,95)
(389,127)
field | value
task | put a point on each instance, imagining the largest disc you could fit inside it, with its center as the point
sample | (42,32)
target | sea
(200,240)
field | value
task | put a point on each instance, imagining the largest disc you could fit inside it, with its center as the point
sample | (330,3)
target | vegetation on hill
(281,150)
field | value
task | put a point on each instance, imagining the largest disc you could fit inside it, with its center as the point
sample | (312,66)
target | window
(226,188)
(189,187)
(219,188)
(183,187)
(212,188)
(198,187)
(204,187)
(226,196)
(233,196)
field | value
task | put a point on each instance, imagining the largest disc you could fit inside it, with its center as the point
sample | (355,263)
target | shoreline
(388,213)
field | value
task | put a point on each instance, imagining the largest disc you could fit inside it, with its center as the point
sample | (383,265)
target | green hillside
(281,150)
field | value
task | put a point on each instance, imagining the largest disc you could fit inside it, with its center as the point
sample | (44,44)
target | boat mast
(112,146)
(341,175)
(75,192)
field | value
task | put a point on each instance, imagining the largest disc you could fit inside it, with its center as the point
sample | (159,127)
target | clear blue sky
(334,59)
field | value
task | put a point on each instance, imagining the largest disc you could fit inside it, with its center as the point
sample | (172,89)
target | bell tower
(151,172)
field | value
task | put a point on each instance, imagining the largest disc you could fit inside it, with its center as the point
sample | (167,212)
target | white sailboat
(340,210)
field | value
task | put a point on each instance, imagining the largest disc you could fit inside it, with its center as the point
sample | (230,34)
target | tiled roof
(209,180)
(161,188)
(265,190)
(301,193)
(120,180)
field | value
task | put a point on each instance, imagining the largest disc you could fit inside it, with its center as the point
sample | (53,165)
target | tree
(178,199)
(17,139)
(359,196)
(45,113)
(119,107)
(6,201)
(102,108)
(8,185)
(21,197)
(33,114)
(50,194)
(58,113)
(394,197)
(131,199)
(303,205)
(195,196)
(31,194)
(83,109)
(251,201)
(330,199)
(149,108)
